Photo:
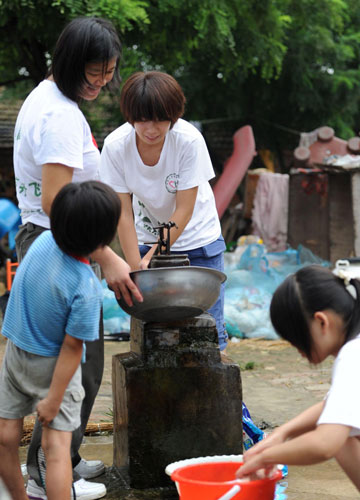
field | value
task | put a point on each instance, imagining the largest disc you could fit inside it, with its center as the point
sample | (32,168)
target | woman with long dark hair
(53,146)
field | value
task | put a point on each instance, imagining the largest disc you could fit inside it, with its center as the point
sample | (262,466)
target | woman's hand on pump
(144,263)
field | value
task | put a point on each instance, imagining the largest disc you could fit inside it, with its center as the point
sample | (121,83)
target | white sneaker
(4,494)
(89,469)
(34,491)
(84,490)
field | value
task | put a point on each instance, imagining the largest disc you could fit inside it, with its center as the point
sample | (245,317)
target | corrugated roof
(8,114)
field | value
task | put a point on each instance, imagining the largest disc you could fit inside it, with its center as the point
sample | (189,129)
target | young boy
(54,307)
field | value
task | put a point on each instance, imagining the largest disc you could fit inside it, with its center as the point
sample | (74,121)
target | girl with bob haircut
(160,167)
(152,96)
(54,146)
(318,312)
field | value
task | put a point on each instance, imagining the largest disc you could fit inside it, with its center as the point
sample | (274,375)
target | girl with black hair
(53,146)
(318,312)
(60,301)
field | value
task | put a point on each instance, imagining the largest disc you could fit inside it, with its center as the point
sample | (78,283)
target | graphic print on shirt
(171,183)
(147,222)
(21,186)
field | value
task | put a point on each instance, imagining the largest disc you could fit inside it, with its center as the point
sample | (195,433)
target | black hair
(84,40)
(84,216)
(311,289)
(152,96)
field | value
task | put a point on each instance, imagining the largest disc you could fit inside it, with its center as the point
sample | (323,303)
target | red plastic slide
(235,168)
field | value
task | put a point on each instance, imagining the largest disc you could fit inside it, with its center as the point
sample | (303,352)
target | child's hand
(275,437)
(46,411)
(116,272)
(255,468)
(254,460)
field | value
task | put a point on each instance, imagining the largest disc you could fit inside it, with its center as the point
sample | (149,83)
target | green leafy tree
(166,33)
(283,64)
(29,30)
(225,36)
(276,64)
(319,81)
(316,81)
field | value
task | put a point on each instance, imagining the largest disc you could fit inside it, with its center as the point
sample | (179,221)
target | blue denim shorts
(211,255)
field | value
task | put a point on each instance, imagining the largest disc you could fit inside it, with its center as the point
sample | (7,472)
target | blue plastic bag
(251,282)
(251,433)
(9,221)
(116,320)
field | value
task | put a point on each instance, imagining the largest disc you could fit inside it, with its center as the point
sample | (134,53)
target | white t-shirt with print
(342,405)
(50,128)
(184,163)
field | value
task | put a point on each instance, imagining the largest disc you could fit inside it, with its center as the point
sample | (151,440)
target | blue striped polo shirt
(52,294)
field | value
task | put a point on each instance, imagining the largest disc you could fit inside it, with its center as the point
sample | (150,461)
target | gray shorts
(25,379)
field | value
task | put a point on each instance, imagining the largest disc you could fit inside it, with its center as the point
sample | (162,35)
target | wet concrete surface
(280,385)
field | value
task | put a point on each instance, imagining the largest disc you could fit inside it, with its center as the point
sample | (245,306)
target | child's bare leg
(56,446)
(349,459)
(10,471)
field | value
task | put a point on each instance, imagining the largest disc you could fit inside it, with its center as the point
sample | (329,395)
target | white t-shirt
(184,163)
(50,128)
(342,404)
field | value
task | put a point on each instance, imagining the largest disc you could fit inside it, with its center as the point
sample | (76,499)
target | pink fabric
(270,212)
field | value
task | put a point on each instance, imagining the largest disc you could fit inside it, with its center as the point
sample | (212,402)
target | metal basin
(173,293)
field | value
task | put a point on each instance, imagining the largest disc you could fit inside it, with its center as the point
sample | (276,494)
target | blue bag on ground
(252,435)
(251,282)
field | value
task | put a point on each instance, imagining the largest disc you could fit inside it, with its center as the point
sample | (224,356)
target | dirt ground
(277,385)
(281,383)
